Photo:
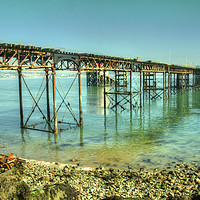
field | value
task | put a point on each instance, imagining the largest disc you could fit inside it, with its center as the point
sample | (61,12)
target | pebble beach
(181,181)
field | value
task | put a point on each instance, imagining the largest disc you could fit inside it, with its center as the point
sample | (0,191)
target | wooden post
(54,101)
(80,100)
(20,98)
(47,94)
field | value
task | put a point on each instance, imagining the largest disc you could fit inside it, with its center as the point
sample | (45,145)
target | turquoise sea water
(160,134)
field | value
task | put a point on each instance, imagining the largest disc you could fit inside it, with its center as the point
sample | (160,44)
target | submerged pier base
(124,89)
(124,92)
(155,85)
(41,120)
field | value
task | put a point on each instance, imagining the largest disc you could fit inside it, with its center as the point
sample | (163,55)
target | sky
(160,30)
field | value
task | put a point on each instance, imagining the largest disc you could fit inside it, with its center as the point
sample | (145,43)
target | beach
(179,182)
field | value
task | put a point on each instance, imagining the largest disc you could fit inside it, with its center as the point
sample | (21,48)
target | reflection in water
(23,145)
(81,135)
(127,138)
(159,133)
(95,99)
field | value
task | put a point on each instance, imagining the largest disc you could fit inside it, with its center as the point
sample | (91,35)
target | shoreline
(182,182)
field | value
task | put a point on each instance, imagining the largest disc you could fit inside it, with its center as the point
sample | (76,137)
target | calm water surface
(158,135)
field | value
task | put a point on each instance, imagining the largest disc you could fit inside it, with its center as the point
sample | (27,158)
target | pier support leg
(144,85)
(81,136)
(174,81)
(80,100)
(169,84)
(193,80)
(47,94)
(141,89)
(178,86)
(104,91)
(20,99)
(182,82)
(164,85)
(116,82)
(54,101)
(131,93)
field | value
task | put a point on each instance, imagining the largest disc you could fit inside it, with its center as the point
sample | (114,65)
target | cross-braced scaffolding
(96,78)
(131,78)
(124,92)
(42,117)
(155,85)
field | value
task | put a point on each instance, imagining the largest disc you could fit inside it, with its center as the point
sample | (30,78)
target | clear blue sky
(149,29)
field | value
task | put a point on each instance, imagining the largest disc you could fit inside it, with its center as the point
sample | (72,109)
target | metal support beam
(47,94)
(20,98)
(54,101)
(80,100)
(116,82)
(141,89)
(177,81)
(164,84)
(174,81)
(169,84)
(131,93)
(143,84)
(104,92)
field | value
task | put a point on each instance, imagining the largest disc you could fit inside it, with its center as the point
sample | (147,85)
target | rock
(12,186)
(197,181)
(113,198)
(61,191)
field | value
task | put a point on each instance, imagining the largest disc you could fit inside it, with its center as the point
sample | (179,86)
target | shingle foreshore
(180,182)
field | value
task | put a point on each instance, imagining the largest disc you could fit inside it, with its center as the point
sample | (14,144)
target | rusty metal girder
(13,58)
(7,162)
(100,64)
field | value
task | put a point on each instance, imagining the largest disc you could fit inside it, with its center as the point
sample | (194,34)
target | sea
(160,134)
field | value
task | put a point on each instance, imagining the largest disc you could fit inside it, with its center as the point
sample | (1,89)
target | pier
(132,81)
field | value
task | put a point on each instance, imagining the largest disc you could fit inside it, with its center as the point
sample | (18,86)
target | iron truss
(25,57)
(13,56)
